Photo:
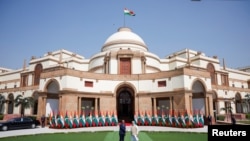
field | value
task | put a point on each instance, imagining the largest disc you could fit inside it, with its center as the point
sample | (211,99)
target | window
(88,106)
(38,71)
(105,67)
(162,106)
(24,81)
(210,68)
(125,66)
(228,107)
(162,83)
(88,84)
(224,80)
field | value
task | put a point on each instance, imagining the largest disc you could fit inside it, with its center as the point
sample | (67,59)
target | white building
(126,78)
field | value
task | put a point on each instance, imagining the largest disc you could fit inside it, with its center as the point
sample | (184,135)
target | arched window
(210,68)
(38,71)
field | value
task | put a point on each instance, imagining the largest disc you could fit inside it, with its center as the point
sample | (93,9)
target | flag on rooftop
(128,12)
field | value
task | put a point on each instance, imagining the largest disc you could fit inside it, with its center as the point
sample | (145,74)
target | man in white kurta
(134,132)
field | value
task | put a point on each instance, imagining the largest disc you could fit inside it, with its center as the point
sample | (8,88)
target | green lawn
(243,121)
(110,136)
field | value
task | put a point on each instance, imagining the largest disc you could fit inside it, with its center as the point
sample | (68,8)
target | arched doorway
(52,102)
(35,106)
(215,105)
(125,104)
(238,103)
(198,97)
(10,103)
(2,102)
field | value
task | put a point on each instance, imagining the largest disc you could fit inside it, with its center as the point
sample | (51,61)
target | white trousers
(134,138)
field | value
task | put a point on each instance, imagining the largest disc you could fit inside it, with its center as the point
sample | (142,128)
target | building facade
(125,78)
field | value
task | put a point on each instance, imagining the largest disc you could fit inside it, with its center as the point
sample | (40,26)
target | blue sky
(214,27)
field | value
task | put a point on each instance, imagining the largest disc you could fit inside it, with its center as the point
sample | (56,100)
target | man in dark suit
(209,119)
(122,130)
(43,121)
(233,120)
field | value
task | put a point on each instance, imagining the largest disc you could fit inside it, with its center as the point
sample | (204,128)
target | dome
(124,37)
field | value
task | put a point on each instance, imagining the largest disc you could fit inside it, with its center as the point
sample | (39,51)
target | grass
(110,136)
(177,136)
(243,121)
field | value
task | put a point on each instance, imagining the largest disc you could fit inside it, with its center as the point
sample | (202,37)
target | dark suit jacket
(122,130)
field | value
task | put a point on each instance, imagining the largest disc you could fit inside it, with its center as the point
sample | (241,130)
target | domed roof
(124,35)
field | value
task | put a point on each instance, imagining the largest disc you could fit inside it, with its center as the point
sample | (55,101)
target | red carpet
(128,124)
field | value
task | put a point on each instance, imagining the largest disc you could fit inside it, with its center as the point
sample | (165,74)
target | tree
(2,101)
(24,102)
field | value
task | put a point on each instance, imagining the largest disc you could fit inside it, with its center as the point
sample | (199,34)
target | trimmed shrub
(247,116)
(33,117)
(221,117)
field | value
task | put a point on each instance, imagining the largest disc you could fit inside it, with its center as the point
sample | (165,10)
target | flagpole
(124,20)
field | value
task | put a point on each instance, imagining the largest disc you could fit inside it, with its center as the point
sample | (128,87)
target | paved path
(40,130)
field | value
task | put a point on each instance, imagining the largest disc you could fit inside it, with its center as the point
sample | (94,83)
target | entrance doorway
(125,105)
